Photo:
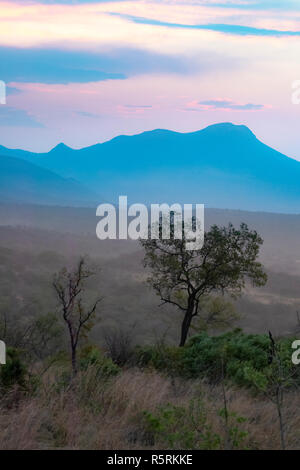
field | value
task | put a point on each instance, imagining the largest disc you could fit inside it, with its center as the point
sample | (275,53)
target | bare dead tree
(297,329)
(281,379)
(119,344)
(3,326)
(69,287)
(278,383)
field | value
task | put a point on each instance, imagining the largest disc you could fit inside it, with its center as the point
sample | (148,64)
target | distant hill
(24,182)
(36,241)
(223,165)
(280,232)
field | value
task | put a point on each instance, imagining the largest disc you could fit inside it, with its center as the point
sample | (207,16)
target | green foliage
(177,427)
(14,371)
(246,358)
(280,374)
(45,336)
(257,378)
(217,313)
(93,356)
(184,278)
(226,259)
(239,351)
(233,422)
(160,357)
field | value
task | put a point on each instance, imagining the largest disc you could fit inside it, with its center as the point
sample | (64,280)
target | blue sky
(85,71)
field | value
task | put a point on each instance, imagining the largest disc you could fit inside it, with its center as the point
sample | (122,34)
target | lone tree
(185,277)
(69,287)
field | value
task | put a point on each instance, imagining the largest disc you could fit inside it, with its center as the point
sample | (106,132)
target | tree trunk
(186,324)
(280,418)
(74,361)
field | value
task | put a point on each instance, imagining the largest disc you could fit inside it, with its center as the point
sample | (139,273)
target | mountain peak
(223,165)
(229,128)
(60,147)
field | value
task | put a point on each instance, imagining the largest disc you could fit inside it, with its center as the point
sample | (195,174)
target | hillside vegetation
(133,387)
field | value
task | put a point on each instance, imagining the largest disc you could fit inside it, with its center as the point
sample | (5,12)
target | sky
(82,72)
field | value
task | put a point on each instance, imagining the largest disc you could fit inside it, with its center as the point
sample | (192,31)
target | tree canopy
(182,277)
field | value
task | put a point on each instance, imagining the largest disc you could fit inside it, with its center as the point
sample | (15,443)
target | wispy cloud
(228,4)
(255,4)
(53,66)
(130,109)
(62,67)
(138,106)
(224,105)
(12,90)
(88,75)
(65,2)
(17,117)
(87,114)
(234,29)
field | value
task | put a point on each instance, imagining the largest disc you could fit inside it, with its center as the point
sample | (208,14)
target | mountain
(24,182)
(223,165)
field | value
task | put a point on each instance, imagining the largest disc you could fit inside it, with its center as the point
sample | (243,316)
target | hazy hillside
(280,231)
(21,181)
(221,166)
(35,241)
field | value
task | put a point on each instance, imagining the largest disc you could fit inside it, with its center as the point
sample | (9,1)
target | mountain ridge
(60,145)
(25,182)
(223,165)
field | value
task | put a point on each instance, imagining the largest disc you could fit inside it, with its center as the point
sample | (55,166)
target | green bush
(160,357)
(204,355)
(235,355)
(177,427)
(235,435)
(93,356)
(14,371)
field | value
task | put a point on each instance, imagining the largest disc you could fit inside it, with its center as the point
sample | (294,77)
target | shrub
(236,355)
(160,357)
(93,356)
(235,435)
(178,427)
(238,351)
(14,371)
(118,343)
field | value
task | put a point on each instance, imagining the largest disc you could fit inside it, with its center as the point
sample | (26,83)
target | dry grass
(92,414)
